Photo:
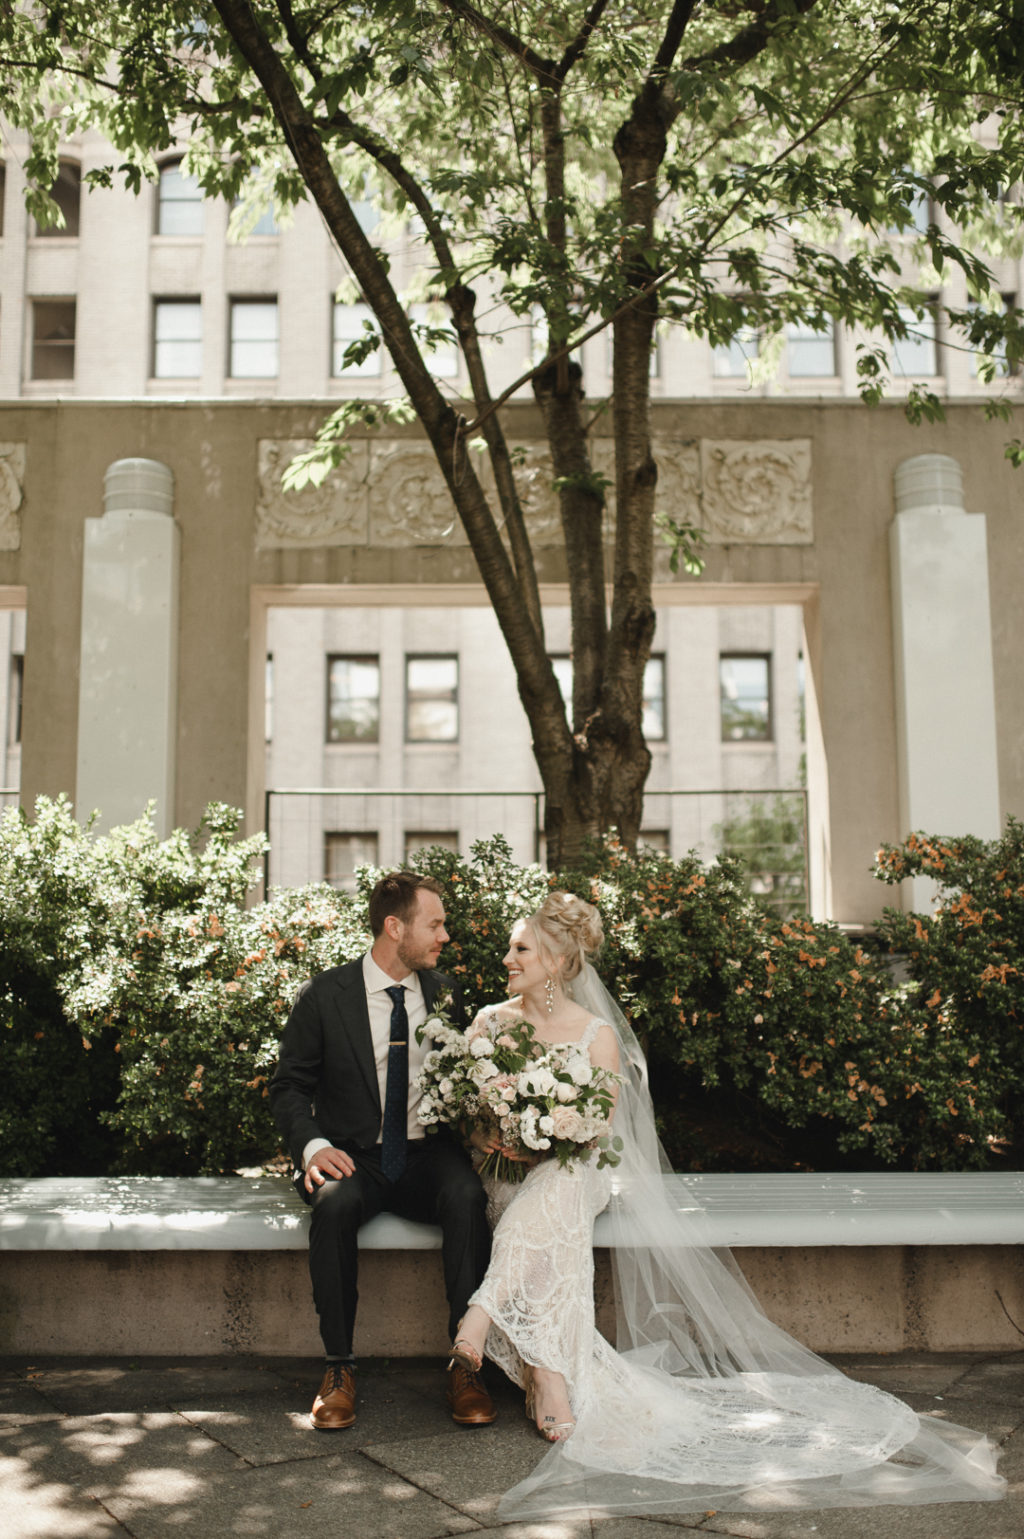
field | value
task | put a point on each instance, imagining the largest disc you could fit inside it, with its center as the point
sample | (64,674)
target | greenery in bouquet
(540,1099)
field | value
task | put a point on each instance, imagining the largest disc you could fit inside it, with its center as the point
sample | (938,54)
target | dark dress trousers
(326,1086)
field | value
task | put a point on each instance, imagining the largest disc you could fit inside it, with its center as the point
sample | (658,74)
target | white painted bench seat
(125,1213)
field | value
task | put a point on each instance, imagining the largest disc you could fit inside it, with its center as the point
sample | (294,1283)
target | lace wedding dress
(707,1404)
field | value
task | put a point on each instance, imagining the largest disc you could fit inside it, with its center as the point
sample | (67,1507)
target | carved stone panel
(409,501)
(12,480)
(757,492)
(334,513)
(678,492)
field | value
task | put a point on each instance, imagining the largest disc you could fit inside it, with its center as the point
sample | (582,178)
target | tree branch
(299,41)
(543,69)
(752,40)
(577,47)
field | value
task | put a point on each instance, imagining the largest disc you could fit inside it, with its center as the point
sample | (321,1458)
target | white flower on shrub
(481,1047)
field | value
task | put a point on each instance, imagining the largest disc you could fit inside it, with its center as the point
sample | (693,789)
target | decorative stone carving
(334,513)
(12,480)
(678,490)
(757,492)
(409,501)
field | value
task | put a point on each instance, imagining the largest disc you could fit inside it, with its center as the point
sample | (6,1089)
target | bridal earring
(549,994)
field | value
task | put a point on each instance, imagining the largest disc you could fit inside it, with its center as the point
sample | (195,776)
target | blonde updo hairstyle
(565,926)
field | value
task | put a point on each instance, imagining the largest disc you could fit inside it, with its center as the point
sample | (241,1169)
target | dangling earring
(549,994)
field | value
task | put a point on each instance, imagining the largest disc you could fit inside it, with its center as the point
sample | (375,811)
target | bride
(706,1403)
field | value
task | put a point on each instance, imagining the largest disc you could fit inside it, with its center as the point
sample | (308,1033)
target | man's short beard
(411,963)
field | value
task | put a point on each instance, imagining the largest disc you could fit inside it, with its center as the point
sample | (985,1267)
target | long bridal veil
(706,1403)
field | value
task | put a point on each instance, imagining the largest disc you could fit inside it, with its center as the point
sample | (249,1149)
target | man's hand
(327,1162)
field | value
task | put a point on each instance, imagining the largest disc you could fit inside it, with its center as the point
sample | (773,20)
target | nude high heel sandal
(551,1431)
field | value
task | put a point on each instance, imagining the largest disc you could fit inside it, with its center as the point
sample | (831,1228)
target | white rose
(566,1122)
(445,1087)
(537,1082)
(564,1092)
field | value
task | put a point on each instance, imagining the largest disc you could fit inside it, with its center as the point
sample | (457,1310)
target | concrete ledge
(135,1266)
(199,1303)
(225,1213)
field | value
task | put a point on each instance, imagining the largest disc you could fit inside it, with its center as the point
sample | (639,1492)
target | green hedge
(141,1000)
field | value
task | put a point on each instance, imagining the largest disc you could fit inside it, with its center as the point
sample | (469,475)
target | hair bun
(570,928)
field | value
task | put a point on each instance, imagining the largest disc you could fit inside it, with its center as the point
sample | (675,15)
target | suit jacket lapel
(356,1017)
(430,983)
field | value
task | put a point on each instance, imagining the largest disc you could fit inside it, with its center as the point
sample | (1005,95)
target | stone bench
(192,1266)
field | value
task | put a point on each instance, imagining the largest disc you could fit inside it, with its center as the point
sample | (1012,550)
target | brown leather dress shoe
(468,1400)
(335,1404)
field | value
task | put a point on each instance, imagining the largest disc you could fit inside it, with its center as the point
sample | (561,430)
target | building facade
(144,332)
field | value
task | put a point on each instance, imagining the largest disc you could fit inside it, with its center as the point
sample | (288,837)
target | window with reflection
(1004,366)
(730,360)
(810,353)
(431,699)
(917,354)
(745,693)
(15,695)
(428,839)
(179,206)
(354,324)
(343,852)
(253,339)
(53,339)
(442,358)
(177,339)
(353,699)
(66,192)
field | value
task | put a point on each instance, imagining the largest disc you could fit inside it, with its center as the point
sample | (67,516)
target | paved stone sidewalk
(210,1448)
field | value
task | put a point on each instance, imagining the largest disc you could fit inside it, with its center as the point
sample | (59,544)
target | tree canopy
(711,166)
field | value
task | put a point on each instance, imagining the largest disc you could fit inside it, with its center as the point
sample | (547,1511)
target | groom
(344,1097)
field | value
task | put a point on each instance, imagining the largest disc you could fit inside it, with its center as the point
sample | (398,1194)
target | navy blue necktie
(395,1123)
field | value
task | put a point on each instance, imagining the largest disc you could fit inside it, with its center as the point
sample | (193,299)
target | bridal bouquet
(538,1098)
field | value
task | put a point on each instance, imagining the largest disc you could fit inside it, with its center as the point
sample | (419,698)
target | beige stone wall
(889,1298)
(213,451)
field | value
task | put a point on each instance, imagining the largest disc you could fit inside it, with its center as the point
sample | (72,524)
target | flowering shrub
(141,1002)
(778,1042)
(966,964)
(137,955)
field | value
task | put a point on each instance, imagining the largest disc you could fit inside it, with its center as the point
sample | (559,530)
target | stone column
(127,691)
(942,648)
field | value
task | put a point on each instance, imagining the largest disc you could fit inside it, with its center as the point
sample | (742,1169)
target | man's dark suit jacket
(325,1084)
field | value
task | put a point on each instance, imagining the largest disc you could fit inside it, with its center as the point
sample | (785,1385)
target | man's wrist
(312,1148)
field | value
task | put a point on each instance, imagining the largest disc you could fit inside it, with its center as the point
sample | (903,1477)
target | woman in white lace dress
(706,1403)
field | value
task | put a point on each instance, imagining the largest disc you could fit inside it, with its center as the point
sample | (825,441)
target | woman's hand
(488,1142)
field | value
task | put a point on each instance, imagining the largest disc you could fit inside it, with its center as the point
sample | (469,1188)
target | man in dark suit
(344,1097)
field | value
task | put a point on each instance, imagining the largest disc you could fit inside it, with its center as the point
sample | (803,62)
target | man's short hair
(395,894)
